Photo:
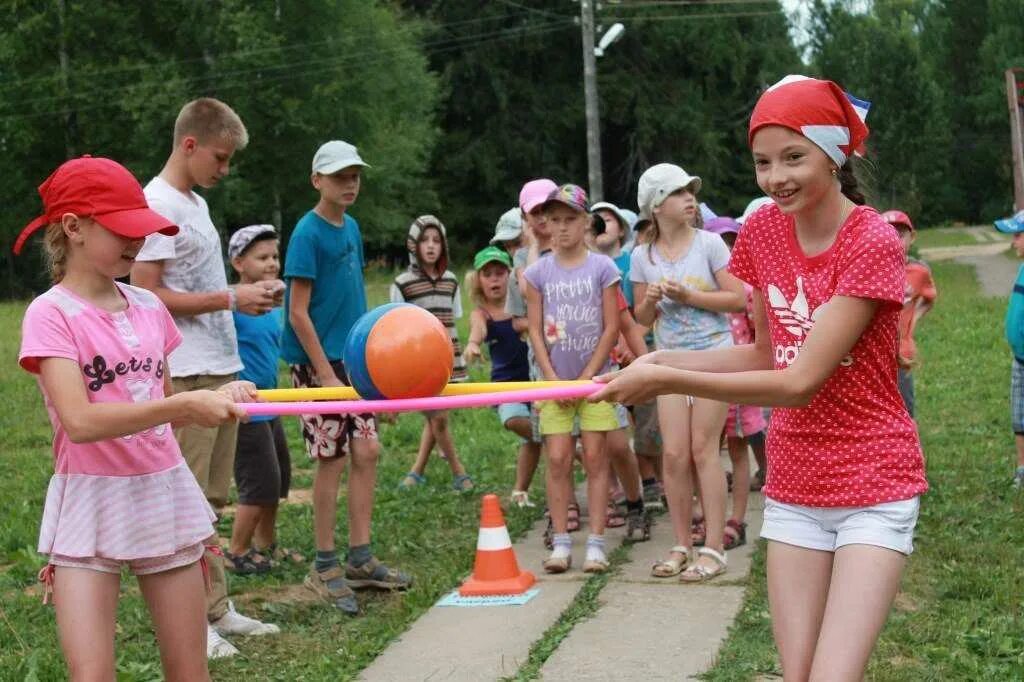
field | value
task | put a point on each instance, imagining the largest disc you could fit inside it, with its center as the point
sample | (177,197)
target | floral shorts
(327,436)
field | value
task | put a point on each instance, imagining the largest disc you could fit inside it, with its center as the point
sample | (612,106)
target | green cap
(489,255)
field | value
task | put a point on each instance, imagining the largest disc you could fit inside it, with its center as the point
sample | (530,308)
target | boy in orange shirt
(919,297)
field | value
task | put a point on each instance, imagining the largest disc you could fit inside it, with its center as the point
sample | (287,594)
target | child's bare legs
(559,448)
(863,585)
(595,463)
(362,481)
(706,420)
(436,431)
(325,500)
(827,609)
(1019,441)
(521,427)
(798,583)
(624,462)
(86,605)
(740,476)
(177,604)
(647,465)
(526,464)
(266,528)
(674,417)
(426,445)
(247,519)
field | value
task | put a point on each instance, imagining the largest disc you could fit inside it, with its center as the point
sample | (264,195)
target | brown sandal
(735,534)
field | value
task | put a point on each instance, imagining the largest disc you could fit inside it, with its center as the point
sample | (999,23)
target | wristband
(232,299)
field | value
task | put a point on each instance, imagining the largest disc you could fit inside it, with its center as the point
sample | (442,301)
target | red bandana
(819,110)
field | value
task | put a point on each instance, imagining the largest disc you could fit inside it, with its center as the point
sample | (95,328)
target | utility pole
(595,178)
(1014,101)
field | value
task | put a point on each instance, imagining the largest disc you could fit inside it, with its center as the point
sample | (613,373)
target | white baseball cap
(335,155)
(242,238)
(509,227)
(658,182)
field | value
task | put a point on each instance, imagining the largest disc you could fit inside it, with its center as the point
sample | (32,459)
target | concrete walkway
(654,629)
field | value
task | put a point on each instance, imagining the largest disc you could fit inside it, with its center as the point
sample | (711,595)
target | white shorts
(889,525)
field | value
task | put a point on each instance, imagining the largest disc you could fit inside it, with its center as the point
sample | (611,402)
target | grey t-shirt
(679,325)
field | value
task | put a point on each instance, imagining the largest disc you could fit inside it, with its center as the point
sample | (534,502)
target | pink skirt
(744,420)
(124,517)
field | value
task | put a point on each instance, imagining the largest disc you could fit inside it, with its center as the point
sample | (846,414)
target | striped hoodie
(440,296)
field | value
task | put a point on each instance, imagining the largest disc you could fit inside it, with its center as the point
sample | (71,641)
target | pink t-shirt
(854,444)
(122,360)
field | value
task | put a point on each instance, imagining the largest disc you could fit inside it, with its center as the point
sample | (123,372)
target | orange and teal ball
(398,350)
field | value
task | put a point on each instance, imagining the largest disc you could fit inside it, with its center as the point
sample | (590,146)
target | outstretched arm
(87,422)
(839,325)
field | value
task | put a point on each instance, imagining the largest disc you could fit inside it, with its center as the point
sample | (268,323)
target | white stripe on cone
(491,539)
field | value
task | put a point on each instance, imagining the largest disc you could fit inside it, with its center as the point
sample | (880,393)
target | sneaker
(520,498)
(330,586)
(217,646)
(234,623)
(375,574)
(1018,478)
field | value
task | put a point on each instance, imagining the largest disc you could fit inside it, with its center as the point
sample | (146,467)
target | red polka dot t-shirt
(854,445)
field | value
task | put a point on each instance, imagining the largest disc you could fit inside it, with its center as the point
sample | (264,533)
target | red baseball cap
(100,189)
(896,218)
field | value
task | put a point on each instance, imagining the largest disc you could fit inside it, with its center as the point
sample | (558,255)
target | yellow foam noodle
(279,395)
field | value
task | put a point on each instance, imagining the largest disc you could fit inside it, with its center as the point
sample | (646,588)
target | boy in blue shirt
(325,296)
(262,461)
(1015,337)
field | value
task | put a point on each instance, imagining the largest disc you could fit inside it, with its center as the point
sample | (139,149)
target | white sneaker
(217,646)
(234,623)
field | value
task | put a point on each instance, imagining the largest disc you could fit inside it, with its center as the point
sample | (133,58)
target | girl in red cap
(121,494)
(845,465)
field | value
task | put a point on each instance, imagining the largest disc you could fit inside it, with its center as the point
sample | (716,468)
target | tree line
(455,103)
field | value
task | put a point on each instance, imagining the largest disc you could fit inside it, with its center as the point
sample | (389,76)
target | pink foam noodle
(450,402)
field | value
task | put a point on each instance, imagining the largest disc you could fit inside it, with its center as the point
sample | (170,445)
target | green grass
(930,238)
(430,532)
(959,615)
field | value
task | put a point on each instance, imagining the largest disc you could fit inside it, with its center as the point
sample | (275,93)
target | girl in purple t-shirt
(121,494)
(572,308)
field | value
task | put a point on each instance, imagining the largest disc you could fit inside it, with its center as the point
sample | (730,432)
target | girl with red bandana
(845,464)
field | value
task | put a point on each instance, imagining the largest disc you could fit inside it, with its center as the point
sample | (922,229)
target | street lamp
(590,53)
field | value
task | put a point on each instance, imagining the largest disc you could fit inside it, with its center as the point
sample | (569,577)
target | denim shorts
(889,525)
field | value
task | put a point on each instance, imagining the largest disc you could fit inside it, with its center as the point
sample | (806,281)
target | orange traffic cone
(496,571)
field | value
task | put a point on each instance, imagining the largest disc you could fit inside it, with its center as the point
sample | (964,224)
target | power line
(680,3)
(534,10)
(687,17)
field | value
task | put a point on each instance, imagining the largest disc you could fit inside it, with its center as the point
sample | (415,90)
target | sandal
(462,483)
(411,480)
(666,568)
(249,563)
(614,518)
(735,534)
(699,573)
(375,574)
(574,518)
(277,553)
(698,533)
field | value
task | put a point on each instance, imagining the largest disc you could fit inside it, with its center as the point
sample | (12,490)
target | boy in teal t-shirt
(325,296)
(1015,337)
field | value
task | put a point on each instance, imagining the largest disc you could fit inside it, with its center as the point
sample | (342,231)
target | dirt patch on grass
(291,595)
(904,602)
(300,496)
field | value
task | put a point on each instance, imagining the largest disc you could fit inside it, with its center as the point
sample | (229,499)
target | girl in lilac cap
(121,495)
